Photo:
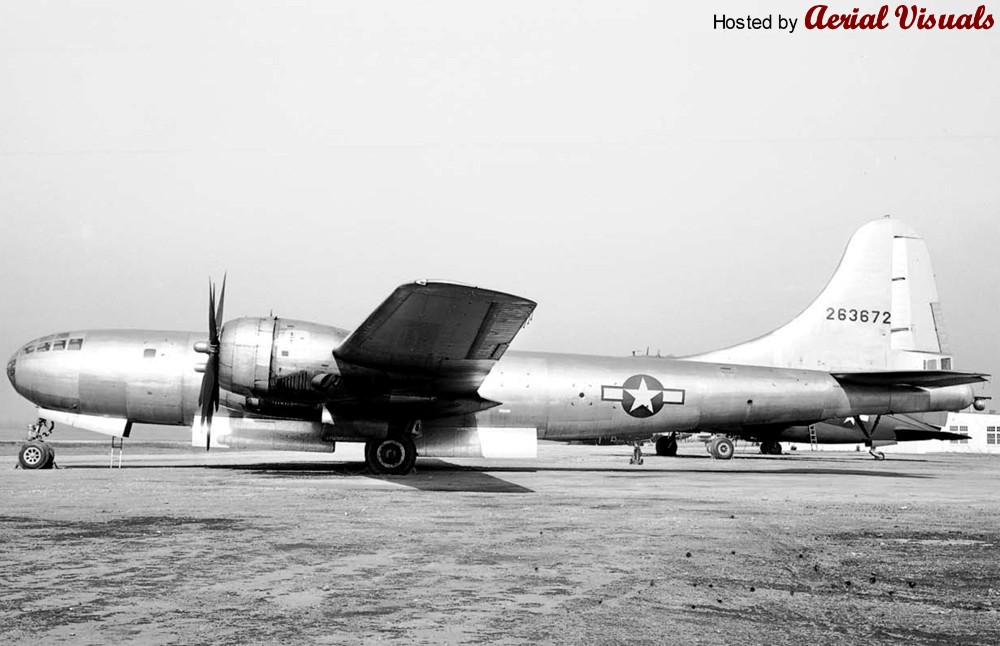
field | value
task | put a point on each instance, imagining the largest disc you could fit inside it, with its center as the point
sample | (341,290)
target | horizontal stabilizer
(916,435)
(914,378)
(450,334)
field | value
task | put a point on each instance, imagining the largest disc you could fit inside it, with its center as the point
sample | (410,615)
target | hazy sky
(648,180)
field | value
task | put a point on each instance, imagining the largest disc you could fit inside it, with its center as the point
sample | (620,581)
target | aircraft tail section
(879,312)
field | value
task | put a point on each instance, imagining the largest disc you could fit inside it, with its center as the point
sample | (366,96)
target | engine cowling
(245,349)
(279,358)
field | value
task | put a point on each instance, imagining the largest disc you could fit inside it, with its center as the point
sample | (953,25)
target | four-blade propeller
(208,398)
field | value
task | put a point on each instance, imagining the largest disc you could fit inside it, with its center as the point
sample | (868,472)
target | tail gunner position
(429,373)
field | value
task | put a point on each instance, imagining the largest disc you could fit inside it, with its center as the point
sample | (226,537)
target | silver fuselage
(150,377)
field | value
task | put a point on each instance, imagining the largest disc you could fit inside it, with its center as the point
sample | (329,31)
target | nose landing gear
(35,453)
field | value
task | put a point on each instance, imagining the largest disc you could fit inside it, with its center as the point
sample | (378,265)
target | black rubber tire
(50,463)
(722,448)
(666,446)
(770,448)
(392,456)
(35,455)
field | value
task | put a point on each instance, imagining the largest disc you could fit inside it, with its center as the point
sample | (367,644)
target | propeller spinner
(208,398)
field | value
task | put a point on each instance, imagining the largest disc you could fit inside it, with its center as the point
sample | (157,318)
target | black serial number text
(861,316)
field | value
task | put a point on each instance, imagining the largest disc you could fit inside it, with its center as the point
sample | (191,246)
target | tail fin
(880,311)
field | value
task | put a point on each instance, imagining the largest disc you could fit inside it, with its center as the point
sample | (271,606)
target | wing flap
(913,378)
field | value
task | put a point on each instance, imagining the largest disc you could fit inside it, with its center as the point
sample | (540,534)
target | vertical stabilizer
(879,311)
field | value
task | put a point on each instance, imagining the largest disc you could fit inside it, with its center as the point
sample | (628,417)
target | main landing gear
(770,447)
(720,447)
(667,445)
(35,453)
(391,456)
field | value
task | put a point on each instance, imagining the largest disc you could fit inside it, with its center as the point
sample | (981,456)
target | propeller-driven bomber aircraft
(429,373)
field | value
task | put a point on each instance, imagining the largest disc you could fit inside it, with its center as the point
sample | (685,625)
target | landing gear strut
(869,432)
(35,453)
(667,445)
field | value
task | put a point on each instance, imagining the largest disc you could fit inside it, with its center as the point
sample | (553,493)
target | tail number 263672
(863,316)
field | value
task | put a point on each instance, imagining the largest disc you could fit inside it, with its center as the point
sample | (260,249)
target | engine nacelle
(245,349)
(279,358)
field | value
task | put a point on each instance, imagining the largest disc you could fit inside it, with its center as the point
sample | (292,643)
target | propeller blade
(208,396)
(213,330)
(222,300)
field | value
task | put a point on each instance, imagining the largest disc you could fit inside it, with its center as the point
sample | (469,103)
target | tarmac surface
(183,547)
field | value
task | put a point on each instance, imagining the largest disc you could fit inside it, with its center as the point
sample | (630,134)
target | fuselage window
(59,345)
(75,344)
(29,349)
(43,347)
(149,353)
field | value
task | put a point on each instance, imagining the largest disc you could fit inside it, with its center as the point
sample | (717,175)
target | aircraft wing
(915,378)
(433,338)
